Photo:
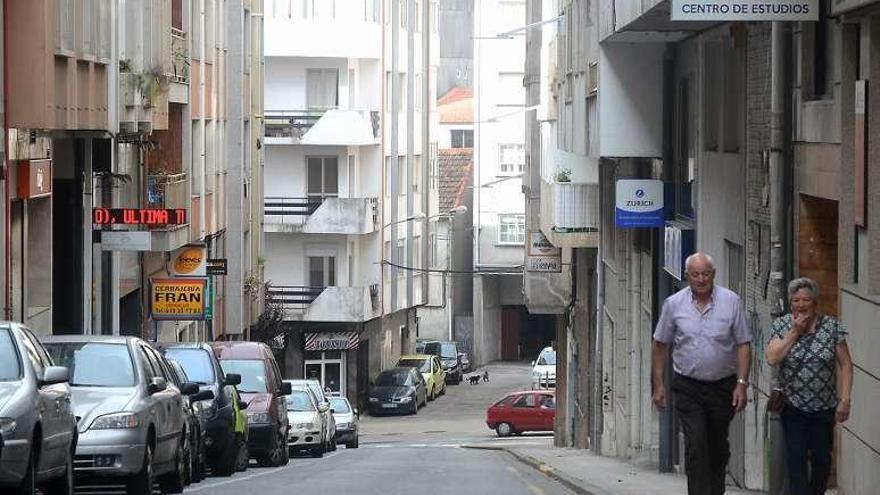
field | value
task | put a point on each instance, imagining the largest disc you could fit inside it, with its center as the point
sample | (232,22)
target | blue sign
(639,203)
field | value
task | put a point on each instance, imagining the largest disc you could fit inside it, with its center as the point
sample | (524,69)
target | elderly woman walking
(811,350)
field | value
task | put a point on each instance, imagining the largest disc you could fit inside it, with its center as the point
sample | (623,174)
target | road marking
(237,480)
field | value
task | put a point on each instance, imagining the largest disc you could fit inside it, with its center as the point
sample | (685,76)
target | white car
(306,431)
(544,369)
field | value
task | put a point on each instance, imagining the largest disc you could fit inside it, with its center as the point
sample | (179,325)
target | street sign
(177,298)
(123,240)
(739,10)
(217,266)
(639,203)
(552,264)
(190,260)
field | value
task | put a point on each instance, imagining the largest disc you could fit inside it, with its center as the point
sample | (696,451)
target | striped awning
(331,341)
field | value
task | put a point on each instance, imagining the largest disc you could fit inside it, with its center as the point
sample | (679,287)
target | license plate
(389,406)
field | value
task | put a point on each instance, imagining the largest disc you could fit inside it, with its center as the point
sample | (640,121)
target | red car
(533,410)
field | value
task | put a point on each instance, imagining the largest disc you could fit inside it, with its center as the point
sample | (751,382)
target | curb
(543,468)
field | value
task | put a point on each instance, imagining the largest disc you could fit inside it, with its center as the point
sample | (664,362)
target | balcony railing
(290,123)
(291,210)
(179,57)
(292,298)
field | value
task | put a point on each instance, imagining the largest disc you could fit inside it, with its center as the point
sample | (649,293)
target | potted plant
(562,175)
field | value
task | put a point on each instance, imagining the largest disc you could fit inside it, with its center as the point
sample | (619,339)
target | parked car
(398,390)
(324,408)
(420,345)
(306,424)
(263,390)
(131,425)
(522,411)
(225,430)
(544,369)
(347,419)
(430,368)
(193,431)
(37,426)
(448,354)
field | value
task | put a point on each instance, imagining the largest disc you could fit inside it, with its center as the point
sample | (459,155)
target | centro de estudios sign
(745,10)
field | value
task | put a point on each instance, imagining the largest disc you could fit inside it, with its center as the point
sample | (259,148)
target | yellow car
(431,370)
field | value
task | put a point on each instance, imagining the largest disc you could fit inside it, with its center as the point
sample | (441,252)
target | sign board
(639,203)
(150,217)
(678,245)
(189,261)
(123,240)
(217,266)
(331,341)
(552,264)
(177,298)
(34,178)
(539,245)
(745,10)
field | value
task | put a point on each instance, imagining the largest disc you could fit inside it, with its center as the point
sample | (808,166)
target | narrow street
(412,454)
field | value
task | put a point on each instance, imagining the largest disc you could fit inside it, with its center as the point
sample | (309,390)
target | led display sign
(139,216)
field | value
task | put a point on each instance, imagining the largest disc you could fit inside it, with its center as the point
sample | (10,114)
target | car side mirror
(203,395)
(356,413)
(242,405)
(232,379)
(332,411)
(189,388)
(157,384)
(286,389)
(55,374)
(533,363)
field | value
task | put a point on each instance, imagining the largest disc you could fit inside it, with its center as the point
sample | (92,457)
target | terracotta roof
(456,106)
(456,166)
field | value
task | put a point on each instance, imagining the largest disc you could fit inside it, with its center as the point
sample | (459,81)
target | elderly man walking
(706,326)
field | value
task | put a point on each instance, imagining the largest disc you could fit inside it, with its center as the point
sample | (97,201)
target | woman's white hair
(690,259)
(803,283)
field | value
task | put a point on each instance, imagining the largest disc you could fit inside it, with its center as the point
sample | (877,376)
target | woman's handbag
(776,402)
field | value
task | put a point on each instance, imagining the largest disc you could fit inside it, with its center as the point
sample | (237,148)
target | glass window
(547,357)
(423,365)
(10,365)
(548,401)
(511,159)
(253,374)
(512,229)
(196,363)
(392,379)
(339,405)
(299,401)
(89,361)
(525,400)
(462,138)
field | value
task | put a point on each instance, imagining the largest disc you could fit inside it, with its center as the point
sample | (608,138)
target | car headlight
(404,399)
(305,426)
(343,426)
(116,421)
(374,399)
(7,426)
(262,417)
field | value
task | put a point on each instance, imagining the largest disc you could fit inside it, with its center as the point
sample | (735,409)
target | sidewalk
(587,474)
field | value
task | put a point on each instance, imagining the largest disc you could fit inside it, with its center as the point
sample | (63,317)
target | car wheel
(503,429)
(333,444)
(226,462)
(285,453)
(272,458)
(28,483)
(352,444)
(242,457)
(64,484)
(318,452)
(142,482)
(175,481)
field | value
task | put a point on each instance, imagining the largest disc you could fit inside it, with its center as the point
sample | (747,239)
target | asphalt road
(421,454)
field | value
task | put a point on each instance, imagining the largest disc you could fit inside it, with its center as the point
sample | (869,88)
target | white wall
(339,32)
(286,172)
(285,87)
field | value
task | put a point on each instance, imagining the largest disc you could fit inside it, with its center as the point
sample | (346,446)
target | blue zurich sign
(639,203)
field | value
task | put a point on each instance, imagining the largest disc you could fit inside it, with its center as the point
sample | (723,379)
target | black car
(218,413)
(398,390)
(195,455)
(449,359)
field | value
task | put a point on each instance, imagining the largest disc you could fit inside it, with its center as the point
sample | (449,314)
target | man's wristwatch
(742,381)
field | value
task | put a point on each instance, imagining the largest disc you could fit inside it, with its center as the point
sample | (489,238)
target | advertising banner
(639,203)
(745,10)
(178,298)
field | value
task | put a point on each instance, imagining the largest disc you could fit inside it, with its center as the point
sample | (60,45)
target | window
(322,271)
(401,255)
(322,88)
(64,27)
(525,400)
(462,138)
(323,177)
(512,229)
(815,56)
(511,159)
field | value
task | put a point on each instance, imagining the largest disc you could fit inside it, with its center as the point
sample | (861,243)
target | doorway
(328,367)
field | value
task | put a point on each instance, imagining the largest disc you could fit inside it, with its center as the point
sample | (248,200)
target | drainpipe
(596,359)
(780,56)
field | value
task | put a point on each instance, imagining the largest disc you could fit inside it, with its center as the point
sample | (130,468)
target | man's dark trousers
(705,411)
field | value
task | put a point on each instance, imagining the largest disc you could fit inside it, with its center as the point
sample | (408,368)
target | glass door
(328,368)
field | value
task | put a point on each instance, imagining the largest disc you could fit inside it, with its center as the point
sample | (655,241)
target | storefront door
(328,367)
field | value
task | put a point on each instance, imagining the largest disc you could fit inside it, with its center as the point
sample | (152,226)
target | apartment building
(348,201)
(752,135)
(102,127)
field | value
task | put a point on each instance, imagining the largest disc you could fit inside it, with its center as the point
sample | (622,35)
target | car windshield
(10,366)
(196,363)
(448,351)
(339,406)
(94,364)
(299,401)
(547,357)
(423,364)
(253,374)
(393,379)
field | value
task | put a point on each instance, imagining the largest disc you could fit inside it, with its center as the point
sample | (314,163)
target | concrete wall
(487,319)
(286,170)
(286,81)
(456,46)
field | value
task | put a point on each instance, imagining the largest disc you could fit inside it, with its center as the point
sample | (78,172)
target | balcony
(169,191)
(178,71)
(317,216)
(570,213)
(336,304)
(331,127)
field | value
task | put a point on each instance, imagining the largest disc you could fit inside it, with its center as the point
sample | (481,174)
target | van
(263,391)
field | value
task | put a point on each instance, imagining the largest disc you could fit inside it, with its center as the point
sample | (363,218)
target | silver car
(128,412)
(323,408)
(347,419)
(34,412)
